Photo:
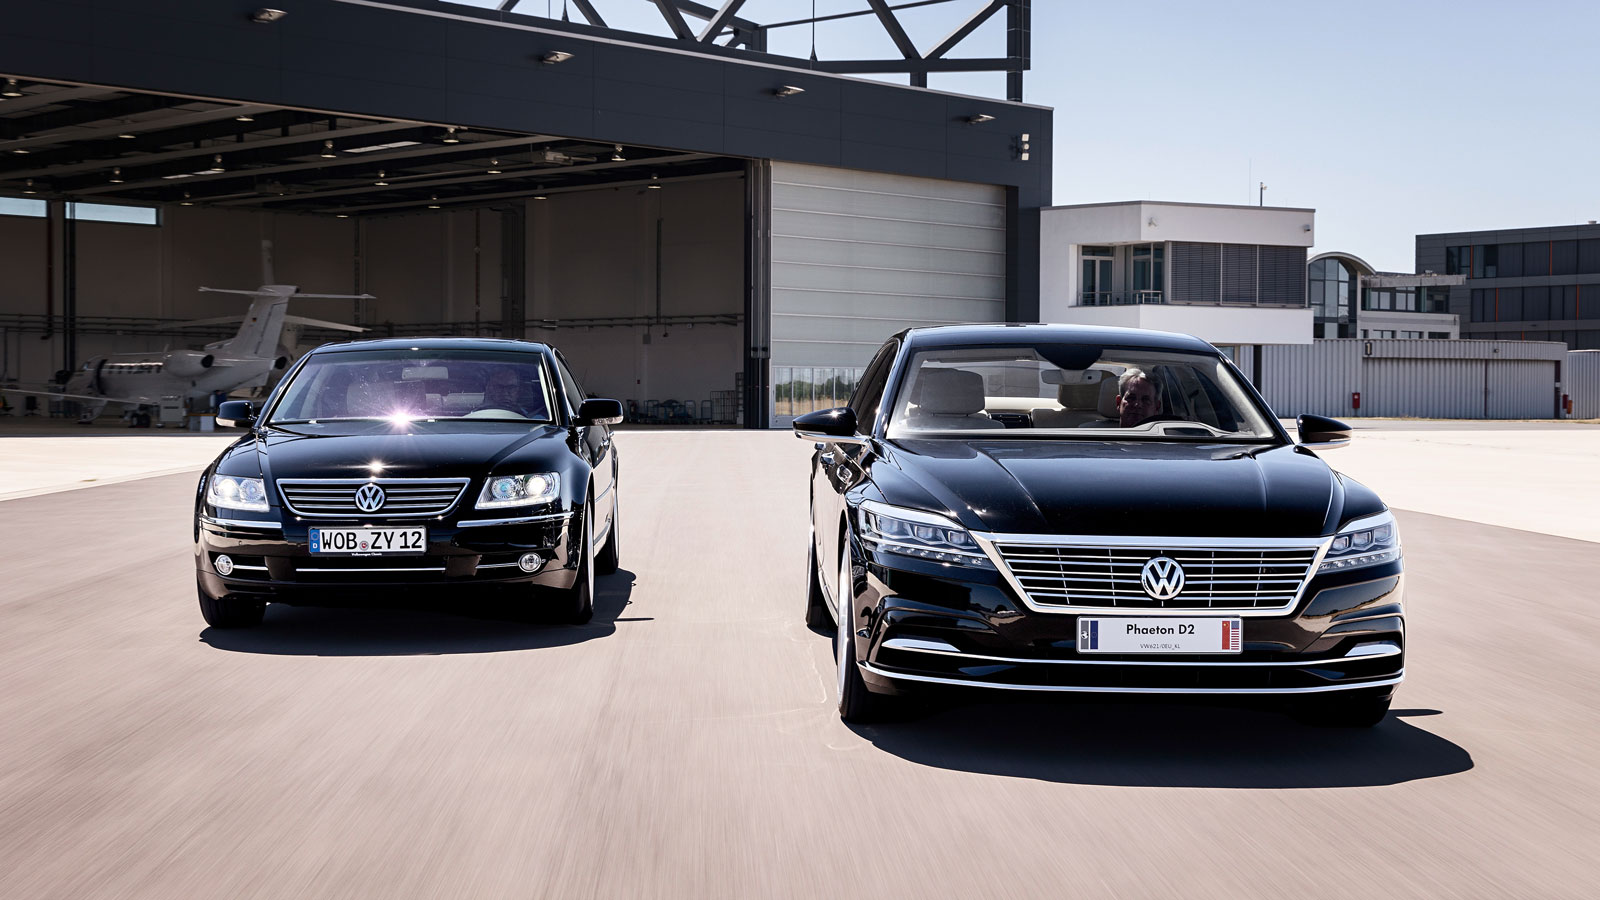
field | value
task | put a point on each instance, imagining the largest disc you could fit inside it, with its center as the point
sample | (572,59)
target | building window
(1147,269)
(22,206)
(106,212)
(1438,300)
(1486,261)
(1330,282)
(1438,335)
(1457,260)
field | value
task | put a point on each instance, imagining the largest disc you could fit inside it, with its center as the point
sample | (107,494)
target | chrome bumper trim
(237,567)
(937,648)
(520,520)
(1131,690)
(241,523)
(509,565)
(365,571)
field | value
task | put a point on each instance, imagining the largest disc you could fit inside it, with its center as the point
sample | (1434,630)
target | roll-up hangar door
(1459,388)
(858,256)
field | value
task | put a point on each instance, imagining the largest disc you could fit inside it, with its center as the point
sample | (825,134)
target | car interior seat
(1079,406)
(949,399)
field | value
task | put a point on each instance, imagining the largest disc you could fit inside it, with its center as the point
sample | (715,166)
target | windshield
(1071,390)
(410,384)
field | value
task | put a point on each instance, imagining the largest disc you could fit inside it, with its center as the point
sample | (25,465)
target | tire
(606,561)
(231,612)
(817,615)
(857,704)
(1343,711)
(576,606)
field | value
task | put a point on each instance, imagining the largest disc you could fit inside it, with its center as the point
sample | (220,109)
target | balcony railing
(1120,298)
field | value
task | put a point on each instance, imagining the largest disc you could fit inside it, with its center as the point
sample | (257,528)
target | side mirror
(832,426)
(1322,433)
(600,412)
(236,414)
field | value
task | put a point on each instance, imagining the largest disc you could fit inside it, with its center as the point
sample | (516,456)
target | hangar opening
(711,232)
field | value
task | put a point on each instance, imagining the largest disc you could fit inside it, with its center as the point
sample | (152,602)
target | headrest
(949,392)
(1108,398)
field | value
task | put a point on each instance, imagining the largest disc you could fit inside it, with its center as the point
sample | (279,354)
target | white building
(1232,275)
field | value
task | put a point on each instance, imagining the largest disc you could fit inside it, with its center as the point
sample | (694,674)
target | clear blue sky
(1391,119)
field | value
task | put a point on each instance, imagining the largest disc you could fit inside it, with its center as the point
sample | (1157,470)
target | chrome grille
(403,497)
(1106,576)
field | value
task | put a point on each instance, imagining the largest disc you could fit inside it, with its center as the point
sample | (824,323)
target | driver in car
(504,390)
(1138,398)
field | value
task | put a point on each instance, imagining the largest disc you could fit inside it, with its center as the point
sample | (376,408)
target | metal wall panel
(858,256)
(1581,378)
(1423,388)
(1315,379)
(1520,389)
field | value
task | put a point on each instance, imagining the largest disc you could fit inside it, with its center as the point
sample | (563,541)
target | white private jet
(175,378)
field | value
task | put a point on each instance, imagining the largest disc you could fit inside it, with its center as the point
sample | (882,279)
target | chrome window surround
(988,540)
(1321,689)
(460,484)
(1367,651)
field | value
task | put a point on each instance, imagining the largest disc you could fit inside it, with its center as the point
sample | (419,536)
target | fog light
(223,564)
(530,562)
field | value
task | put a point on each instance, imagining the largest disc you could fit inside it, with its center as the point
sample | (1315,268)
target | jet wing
(99,398)
(319,323)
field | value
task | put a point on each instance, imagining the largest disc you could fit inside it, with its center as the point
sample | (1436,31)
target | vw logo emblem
(1162,578)
(369,498)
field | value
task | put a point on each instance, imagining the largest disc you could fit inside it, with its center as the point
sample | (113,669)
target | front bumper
(929,626)
(273,560)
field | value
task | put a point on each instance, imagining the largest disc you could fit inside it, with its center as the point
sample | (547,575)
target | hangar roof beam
(83,113)
(209,115)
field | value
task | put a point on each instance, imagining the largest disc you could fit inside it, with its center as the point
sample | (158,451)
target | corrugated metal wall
(1582,378)
(857,256)
(1408,378)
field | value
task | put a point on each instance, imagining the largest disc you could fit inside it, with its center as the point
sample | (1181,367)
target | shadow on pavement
(1150,745)
(431,627)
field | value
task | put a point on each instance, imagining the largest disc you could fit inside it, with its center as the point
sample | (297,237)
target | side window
(869,393)
(569,385)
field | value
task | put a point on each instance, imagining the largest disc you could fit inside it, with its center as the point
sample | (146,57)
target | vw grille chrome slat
(336,497)
(1096,573)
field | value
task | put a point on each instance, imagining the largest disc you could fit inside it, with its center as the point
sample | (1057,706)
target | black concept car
(1049,508)
(437,464)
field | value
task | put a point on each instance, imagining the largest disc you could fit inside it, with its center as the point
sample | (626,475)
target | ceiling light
(127,135)
(216,165)
(555,56)
(185,201)
(655,184)
(433,202)
(617,156)
(535,196)
(341,216)
(265,16)
(450,135)
(21,151)
(380,182)
(979,119)
(116,175)
(788,90)
(371,147)
(494,167)
(11,89)
(27,187)
(327,151)
(244,118)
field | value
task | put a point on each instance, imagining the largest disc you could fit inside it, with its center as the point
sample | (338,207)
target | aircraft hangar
(710,231)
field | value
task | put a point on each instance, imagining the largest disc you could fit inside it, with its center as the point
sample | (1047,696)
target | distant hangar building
(709,230)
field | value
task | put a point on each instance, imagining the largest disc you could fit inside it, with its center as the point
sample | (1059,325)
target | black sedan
(440,464)
(1047,508)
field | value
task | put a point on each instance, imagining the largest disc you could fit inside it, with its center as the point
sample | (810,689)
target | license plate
(369,541)
(1159,635)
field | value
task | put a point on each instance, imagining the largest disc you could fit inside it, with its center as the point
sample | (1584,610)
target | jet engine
(187,363)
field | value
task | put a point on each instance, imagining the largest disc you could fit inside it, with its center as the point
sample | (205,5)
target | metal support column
(758,293)
(513,272)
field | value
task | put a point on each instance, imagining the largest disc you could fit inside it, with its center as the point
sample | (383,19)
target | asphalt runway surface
(684,744)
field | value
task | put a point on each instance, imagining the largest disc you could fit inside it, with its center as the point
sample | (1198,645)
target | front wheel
(1343,711)
(231,612)
(577,602)
(607,560)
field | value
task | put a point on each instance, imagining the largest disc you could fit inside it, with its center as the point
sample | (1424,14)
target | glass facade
(798,390)
(1332,288)
(1407,299)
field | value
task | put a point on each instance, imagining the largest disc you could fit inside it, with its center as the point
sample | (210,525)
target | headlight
(1372,541)
(924,535)
(232,492)
(519,490)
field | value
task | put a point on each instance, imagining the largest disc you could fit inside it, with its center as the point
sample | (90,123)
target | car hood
(413,450)
(1116,488)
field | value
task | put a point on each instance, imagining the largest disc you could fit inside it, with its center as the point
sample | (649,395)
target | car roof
(435,343)
(968,335)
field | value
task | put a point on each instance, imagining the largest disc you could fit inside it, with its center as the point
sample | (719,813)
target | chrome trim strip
(460,486)
(354,571)
(498,566)
(603,494)
(237,523)
(831,438)
(1374,649)
(987,541)
(906,644)
(920,645)
(237,566)
(1132,690)
(477,523)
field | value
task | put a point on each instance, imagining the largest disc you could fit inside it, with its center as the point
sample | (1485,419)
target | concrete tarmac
(684,744)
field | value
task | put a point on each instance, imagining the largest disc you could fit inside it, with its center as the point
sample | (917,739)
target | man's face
(502,387)
(1138,403)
